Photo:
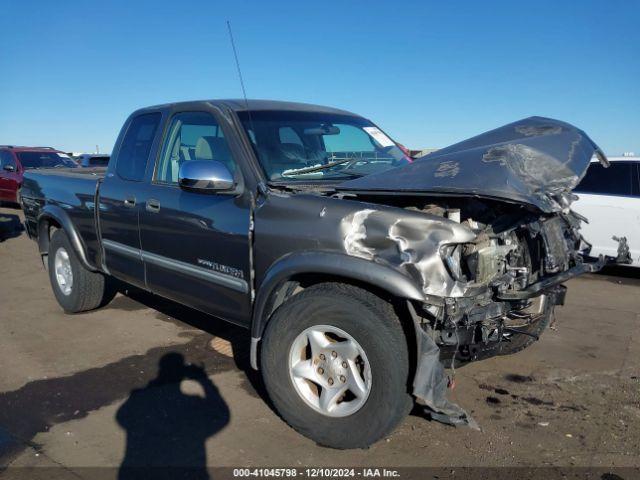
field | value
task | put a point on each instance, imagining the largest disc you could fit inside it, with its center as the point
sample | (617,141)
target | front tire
(76,289)
(335,363)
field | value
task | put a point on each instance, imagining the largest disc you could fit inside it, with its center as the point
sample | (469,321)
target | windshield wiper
(315,168)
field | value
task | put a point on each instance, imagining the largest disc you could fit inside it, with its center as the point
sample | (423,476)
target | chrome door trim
(218,278)
(122,249)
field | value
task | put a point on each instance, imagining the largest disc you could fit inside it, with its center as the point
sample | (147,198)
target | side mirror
(9,168)
(205,176)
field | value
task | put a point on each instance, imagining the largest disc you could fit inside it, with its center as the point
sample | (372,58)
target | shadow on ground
(164,425)
(622,271)
(10,226)
(167,427)
(167,310)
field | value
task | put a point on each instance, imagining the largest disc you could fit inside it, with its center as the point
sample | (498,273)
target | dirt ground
(72,387)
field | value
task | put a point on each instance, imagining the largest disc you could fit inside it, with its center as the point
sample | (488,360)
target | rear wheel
(76,289)
(335,364)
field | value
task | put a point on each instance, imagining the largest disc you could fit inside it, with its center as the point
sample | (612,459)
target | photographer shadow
(167,428)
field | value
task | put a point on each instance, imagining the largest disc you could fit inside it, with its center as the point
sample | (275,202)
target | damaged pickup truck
(360,272)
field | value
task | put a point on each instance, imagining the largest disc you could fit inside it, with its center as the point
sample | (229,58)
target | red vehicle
(15,160)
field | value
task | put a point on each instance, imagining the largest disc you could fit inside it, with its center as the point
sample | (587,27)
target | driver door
(195,245)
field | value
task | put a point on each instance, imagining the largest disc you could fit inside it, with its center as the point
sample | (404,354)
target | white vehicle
(610,200)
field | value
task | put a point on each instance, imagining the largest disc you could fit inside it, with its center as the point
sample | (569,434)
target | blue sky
(430,73)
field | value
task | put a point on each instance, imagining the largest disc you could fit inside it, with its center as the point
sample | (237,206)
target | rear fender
(55,215)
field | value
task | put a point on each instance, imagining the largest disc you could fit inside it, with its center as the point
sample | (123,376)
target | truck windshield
(310,146)
(31,160)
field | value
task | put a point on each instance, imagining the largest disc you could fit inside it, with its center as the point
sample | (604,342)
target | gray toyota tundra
(361,273)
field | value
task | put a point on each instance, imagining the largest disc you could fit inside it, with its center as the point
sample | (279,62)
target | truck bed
(70,189)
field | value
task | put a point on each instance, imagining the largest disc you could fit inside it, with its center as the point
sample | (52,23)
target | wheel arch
(318,267)
(55,216)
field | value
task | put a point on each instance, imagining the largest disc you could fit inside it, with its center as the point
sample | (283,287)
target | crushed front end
(509,279)
(492,269)
(513,273)
(492,273)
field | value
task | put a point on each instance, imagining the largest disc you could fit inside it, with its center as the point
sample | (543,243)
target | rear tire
(76,288)
(372,325)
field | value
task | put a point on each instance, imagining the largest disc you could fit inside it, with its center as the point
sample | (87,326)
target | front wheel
(335,364)
(76,289)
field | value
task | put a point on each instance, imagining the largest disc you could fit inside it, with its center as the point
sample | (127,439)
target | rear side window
(136,146)
(7,160)
(615,180)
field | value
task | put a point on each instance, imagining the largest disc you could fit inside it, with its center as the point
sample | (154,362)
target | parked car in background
(610,199)
(91,160)
(15,160)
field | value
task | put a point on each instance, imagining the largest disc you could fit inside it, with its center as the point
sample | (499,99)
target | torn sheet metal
(408,241)
(534,161)
(431,382)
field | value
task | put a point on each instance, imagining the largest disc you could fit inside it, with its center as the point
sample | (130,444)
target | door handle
(130,202)
(153,205)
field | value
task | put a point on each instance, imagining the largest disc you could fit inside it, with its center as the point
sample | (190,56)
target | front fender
(59,216)
(331,263)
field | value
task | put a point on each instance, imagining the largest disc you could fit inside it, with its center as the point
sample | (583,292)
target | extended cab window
(136,146)
(191,136)
(615,180)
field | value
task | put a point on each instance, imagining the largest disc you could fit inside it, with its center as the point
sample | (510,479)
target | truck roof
(240,105)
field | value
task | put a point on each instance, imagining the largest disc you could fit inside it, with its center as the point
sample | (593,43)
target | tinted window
(615,180)
(192,136)
(31,160)
(6,158)
(99,161)
(136,146)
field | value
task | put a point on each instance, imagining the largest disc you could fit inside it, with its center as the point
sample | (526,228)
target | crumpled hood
(536,161)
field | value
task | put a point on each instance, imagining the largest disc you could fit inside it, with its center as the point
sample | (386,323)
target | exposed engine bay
(504,278)
(513,250)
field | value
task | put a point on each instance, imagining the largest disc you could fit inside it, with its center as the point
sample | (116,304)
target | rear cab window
(136,146)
